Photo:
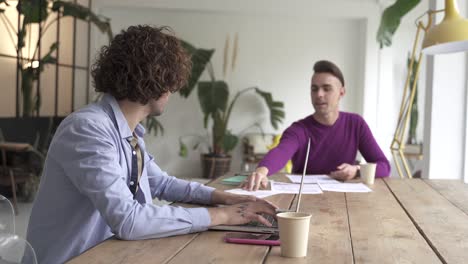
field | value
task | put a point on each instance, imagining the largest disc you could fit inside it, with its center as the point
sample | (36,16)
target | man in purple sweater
(335,137)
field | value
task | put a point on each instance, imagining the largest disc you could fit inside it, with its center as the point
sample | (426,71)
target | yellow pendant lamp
(451,35)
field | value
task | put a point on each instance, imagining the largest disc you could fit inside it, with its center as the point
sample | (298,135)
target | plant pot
(215,166)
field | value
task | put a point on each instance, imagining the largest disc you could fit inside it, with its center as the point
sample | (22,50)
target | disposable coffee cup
(368,173)
(294,233)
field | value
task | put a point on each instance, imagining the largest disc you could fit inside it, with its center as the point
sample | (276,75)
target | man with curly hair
(99,180)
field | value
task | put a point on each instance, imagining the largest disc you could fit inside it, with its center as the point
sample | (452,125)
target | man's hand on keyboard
(242,213)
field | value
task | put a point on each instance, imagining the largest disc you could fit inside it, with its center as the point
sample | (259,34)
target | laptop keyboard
(268,217)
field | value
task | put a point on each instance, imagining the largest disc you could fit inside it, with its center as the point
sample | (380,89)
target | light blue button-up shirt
(84,198)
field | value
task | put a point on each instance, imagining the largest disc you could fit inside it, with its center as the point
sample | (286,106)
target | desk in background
(401,221)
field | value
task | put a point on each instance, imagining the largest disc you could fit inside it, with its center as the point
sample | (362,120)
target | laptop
(255,227)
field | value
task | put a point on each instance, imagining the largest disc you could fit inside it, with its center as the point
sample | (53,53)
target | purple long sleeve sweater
(330,146)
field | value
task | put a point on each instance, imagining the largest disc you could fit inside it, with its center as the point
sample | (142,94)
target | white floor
(24,210)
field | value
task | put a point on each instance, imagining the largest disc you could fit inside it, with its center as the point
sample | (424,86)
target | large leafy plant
(391,18)
(414,113)
(389,23)
(40,12)
(217,106)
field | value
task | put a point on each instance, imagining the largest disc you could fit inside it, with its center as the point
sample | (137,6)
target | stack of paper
(259,193)
(282,187)
(315,178)
(344,187)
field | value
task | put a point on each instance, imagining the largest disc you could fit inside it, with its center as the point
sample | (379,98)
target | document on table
(344,187)
(259,193)
(312,178)
(283,187)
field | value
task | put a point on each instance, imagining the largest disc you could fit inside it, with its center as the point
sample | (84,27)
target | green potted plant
(217,105)
(29,68)
(39,12)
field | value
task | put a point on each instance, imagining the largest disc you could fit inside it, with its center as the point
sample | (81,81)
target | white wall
(445,126)
(273,37)
(275,55)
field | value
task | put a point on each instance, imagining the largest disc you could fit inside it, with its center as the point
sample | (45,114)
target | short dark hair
(141,63)
(325,66)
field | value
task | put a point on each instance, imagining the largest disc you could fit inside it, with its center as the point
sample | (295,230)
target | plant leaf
(37,103)
(153,125)
(276,108)
(83,13)
(219,131)
(3,2)
(213,97)
(200,58)
(34,11)
(414,113)
(196,145)
(182,149)
(391,18)
(230,141)
(21,36)
(48,59)
(206,118)
(27,76)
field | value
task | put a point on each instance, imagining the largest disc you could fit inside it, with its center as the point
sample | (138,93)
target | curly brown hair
(141,63)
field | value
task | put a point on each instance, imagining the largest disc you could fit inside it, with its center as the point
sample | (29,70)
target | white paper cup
(368,173)
(294,233)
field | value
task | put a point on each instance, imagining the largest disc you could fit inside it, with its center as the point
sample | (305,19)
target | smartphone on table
(252,238)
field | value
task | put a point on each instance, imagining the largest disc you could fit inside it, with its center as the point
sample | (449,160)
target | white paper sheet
(259,193)
(282,187)
(344,187)
(312,178)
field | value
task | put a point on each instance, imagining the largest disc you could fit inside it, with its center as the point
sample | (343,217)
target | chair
(14,172)
(7,216)
(16,250)
(255,147)
(13,249)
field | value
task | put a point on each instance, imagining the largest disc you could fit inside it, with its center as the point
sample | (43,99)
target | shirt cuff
(202,194)
(201,219)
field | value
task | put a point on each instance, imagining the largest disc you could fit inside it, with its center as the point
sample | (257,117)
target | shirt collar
(120,121)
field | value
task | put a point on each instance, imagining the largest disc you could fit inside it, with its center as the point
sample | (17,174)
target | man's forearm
(217,197)
(218,216)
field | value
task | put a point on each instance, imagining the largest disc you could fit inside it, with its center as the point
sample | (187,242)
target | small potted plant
(46,13)
(217,105)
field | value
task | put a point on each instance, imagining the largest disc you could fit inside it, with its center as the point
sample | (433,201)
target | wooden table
(401,221)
